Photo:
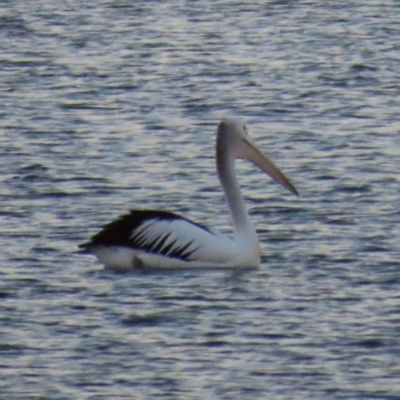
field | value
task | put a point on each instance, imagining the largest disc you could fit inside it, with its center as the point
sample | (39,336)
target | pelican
(162,239)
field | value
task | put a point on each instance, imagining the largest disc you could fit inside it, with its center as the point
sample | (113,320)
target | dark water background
(111,105)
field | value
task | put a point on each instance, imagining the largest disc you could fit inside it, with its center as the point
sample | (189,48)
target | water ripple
(113,105)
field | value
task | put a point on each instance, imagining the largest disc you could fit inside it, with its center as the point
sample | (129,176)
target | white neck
(237,208)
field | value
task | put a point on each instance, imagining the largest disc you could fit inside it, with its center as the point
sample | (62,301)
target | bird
(145,239)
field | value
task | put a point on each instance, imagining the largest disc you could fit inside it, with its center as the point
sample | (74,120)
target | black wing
(130,230)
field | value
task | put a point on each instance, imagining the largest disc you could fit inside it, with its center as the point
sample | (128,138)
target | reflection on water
(114,105)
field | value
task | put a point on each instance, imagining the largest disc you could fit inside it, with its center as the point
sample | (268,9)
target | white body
(217,251)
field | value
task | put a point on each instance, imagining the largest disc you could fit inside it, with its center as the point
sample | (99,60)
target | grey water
(113,105)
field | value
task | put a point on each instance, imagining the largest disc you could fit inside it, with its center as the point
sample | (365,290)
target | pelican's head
(230,133)
(233,141)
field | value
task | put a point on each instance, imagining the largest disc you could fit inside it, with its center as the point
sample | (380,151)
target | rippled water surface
(111,105)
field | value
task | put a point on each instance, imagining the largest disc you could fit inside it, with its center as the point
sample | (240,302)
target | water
(111,105)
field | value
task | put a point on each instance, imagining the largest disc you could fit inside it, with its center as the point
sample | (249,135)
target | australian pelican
(162,239)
